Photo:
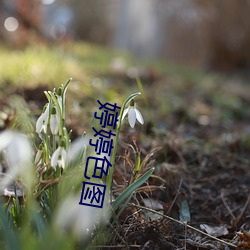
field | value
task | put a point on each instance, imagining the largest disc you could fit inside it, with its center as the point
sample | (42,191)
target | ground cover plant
(195,137)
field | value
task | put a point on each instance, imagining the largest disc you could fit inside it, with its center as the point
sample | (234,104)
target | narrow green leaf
(53,97)
(47,95)
(138,163)
(39,222)
(11,237)
(140,86)
(128,191)
(122,209)
(65,87)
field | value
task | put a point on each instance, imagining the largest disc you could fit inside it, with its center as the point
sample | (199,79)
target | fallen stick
(184,224)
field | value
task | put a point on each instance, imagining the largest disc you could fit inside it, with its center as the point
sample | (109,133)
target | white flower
(59,157)
(78,148)
(42,122)
(59,99)
(133,114)
(77,219)
(54,121)
(17,152)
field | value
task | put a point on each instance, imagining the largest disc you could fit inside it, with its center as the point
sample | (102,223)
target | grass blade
(128,191)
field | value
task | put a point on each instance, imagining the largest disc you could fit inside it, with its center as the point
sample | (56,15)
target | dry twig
(184,224)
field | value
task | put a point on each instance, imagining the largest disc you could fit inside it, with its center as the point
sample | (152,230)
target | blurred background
(211,34)
(193,60)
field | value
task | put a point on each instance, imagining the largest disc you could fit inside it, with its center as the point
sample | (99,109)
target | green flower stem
(54,142)
(46,148)
(66,137)
(65,87)
(47,137)
(145,98)
(111,171)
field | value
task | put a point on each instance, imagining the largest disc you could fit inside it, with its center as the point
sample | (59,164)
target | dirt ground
(202,171)
(215,185)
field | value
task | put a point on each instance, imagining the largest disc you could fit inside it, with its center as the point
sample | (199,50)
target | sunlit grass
(34,65)
(38,65)
(41,64)
(90,66)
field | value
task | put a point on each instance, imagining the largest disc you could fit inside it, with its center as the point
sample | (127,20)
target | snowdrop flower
(54,121)
(17,152)
(77,148)
(76,219)
(42,122)
(133,114)
(59,157)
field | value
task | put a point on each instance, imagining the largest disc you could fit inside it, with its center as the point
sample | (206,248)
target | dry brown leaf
(152,204)
(245,236)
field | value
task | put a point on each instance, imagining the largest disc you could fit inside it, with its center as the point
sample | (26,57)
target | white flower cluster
(52,119)
(50,116)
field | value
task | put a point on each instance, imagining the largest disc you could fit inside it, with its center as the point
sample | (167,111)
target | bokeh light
(11,24)
(58,31)
(48,2)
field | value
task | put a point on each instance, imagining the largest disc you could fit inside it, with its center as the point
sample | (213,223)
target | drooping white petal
(55,156)
(54,124)
(46,113)
(44,127)
(132,117)
(59,157)
(124,113)
(77,148)
(133,114)
(5,139)
(139,116)
(62,161)
(39,123)
(19,151)
(77,219)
